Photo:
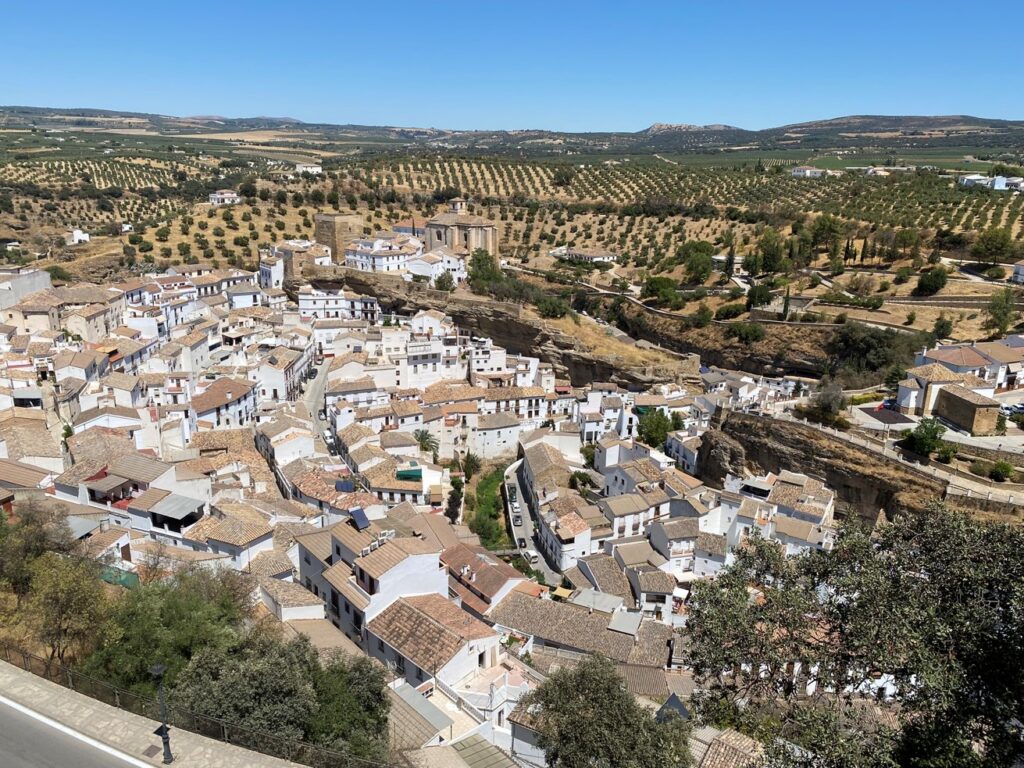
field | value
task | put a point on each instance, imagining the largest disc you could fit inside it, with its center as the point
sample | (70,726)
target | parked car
(517,520)
(322,415)
(515,507)
(521,543)
(531,556)
(1018,408)
(1007,410)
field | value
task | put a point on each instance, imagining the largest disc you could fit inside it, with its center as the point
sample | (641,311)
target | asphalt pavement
(28,743)
(526,530)
(314,396)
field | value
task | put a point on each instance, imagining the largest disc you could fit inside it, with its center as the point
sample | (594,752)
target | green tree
(445,282)
(653,428)
(470,464)
(563,176)
(925,438)
(931,282)
(1001,311)
(483,269)
(747,333)
(925,599)
(993,245)
(169,622)
(352,708)
(37,530)
(258,683)
(427,442)
(588,451)
(943,327)
(698,267)
(703,316)
(758,295)
(894,376)
(697,255)
(66,607)
(585,718)
(826,231)
(771,248)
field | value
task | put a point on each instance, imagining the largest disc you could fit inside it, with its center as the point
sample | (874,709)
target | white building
(224,197)
(316,303)
(433,264)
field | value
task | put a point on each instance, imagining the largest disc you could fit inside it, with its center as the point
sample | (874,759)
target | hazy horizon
(571,66)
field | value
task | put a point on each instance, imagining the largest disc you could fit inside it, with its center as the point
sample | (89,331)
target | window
(481,659)
(380,645)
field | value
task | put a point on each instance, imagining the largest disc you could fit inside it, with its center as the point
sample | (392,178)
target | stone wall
(335,230)
(974,417)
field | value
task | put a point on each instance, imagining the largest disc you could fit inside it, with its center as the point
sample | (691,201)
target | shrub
(946,453)
(925,438)
(931,282)
(745,332)
(903,275)
(995,273)
(1001,471)
(59,273)
(867,397)
(980,468)
(729,311)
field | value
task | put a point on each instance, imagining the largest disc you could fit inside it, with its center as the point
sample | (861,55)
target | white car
(531,556)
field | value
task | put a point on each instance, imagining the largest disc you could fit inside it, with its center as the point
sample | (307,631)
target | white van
(531,556)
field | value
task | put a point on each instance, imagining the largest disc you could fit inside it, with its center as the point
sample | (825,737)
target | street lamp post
(157,671)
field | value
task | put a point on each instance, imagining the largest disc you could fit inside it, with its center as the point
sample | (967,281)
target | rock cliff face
(864,481)
(720,455)
(503,322)
(785,349)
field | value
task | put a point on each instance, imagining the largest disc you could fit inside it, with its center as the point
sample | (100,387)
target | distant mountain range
(855,131)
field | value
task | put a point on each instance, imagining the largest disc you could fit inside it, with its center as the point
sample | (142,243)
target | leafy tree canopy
(586,718)
(931,601)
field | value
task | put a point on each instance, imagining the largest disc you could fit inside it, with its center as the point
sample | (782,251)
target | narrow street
(313,398)
(526,530)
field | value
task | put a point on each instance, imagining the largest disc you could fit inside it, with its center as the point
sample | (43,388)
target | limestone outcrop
(506,323)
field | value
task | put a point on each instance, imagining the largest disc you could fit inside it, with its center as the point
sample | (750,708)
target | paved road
(28,743)
(314,396)
(526,530)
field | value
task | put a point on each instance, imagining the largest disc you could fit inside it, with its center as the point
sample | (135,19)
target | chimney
(104,526)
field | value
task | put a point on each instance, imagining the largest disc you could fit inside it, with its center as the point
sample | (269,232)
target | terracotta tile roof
(428,630)
(220,393)
(732,750)
(577,628)
(288,593)
(391,553)
(273,562)
(962,357)
(479,570)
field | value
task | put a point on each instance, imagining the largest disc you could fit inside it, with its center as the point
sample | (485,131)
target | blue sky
(557,64)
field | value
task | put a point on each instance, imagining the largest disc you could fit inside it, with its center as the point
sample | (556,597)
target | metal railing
(203,725)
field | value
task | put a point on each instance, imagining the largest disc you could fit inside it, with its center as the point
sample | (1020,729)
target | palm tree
(470,463)
(427,442)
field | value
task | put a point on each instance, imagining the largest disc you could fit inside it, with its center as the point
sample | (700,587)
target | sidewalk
(130,734)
